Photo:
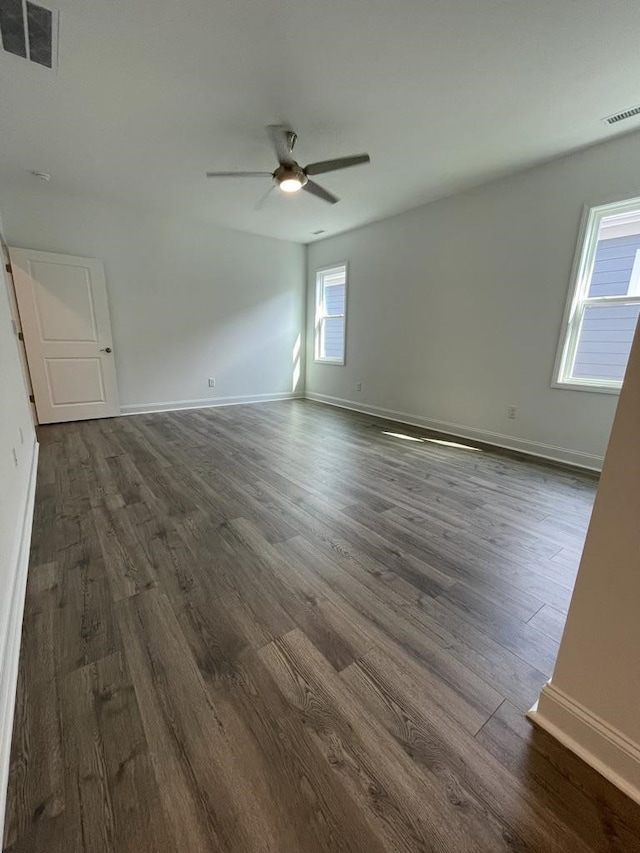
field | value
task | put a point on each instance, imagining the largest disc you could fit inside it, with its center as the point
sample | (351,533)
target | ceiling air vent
(29,31)
(623,116)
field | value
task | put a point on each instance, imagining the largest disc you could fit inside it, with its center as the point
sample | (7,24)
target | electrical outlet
(212,382)
(512,412)
(358,386)
(15,456)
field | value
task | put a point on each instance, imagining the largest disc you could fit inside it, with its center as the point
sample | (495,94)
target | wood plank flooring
(277,629)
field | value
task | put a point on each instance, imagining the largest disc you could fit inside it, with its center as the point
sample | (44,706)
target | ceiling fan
(290,176)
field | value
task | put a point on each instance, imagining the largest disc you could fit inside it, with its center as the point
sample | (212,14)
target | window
(331,304)
(605,301)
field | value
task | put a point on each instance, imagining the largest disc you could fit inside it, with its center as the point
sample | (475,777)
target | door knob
(106,349)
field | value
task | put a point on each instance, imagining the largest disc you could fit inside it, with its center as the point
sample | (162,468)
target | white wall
(16,492)
(455,308)
(188,301)
(593,701)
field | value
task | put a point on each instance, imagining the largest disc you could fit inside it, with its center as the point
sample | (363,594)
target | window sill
(338,361)
(584,386)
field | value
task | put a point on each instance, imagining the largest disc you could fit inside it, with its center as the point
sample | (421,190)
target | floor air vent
(29,31)
(630,113)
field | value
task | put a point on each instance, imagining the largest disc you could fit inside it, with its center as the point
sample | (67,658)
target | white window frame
(321,315)
(578,297)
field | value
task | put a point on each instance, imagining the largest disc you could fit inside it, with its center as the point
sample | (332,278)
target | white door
(67,334)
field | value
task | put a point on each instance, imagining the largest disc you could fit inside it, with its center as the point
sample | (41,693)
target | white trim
(634,281)
(626,229)
(585,221)
(587,385)
(508,442)
(10,642)
(208,403)
(594,740)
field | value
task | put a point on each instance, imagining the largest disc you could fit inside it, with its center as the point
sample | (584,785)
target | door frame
(16,322)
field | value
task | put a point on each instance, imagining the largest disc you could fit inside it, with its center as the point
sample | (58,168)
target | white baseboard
(11,647)
(602,746)
(522,445)
(207,403)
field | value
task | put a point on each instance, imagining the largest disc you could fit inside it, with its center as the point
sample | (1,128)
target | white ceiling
(444,94)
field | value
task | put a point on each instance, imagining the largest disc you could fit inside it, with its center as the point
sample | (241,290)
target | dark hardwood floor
(277,629)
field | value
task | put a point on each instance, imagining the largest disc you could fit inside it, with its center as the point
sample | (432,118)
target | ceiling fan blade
(283,141)
(334,165)
(239,174)
(320,192)
(260,204)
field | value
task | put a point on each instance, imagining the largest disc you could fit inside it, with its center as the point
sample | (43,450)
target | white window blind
(331,313)
(605,300)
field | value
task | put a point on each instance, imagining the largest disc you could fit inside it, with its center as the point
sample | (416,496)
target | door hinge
(8,268)
(32,399)
(20,336)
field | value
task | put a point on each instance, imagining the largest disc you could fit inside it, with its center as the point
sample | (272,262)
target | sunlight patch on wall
(296,363)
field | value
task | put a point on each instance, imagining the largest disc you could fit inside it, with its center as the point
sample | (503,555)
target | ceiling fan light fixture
(291,185)
(290,178)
